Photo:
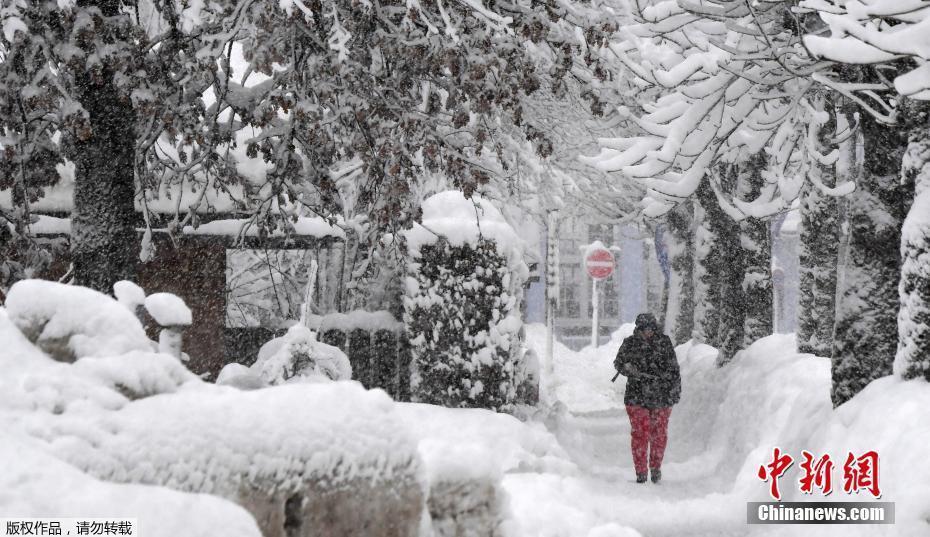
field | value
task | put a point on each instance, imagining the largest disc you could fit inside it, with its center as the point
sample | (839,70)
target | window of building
(608,299)
(611,298)
(601,232)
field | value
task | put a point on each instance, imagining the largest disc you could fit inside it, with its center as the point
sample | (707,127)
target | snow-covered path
(726,425)
(602,499)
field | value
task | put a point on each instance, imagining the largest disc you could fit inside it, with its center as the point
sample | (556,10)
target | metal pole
(552,286)
(594,319)
(550,321)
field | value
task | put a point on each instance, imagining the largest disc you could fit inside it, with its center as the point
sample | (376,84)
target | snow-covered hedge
(462,303)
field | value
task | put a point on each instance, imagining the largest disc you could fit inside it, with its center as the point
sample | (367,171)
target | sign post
(599,263)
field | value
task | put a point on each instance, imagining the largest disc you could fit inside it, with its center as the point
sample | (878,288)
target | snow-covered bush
(298,355)
(527,378)
(69,322)
(463,289)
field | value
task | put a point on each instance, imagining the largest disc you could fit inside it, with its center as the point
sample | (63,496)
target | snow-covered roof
(309,226)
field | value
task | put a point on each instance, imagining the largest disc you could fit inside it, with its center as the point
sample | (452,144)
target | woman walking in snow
(647,359)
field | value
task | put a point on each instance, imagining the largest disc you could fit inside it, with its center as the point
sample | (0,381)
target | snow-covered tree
(679,318)
(79,82)
(462,299)
(913,357)
(756,242)
(865,337)
(819,246)
(729,89)
(268,102)
(720,313)
(879,313)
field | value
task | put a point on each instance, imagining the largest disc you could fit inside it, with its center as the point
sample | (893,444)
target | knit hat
(646,321)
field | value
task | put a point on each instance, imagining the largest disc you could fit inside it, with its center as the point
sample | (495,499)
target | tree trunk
(866,336)
(756,242)
(679,319)
(819,253)
(709,256)
(913,356)
(729,270)
(103,238)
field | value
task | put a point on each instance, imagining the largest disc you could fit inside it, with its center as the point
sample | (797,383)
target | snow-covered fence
(376,348)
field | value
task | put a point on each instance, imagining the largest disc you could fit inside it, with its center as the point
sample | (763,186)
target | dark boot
(656,475)
(640,478)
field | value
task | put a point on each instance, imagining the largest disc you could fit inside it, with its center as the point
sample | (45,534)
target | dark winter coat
(654,379)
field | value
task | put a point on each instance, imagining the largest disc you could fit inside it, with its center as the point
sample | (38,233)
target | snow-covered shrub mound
(35,383)
(345,461)
(298,356)
(329,456)
(212,438)
(462,300)
(466,453)
(136,374)
(69,322)
(239,376)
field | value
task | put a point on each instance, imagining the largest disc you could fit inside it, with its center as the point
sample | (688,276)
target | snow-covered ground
(725,427)
(566,471)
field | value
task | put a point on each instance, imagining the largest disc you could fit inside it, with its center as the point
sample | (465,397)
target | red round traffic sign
(599,263)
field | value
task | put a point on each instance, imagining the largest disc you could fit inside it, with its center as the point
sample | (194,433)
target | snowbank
(35,484)
(476,443)
(581,379)
(70,322)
